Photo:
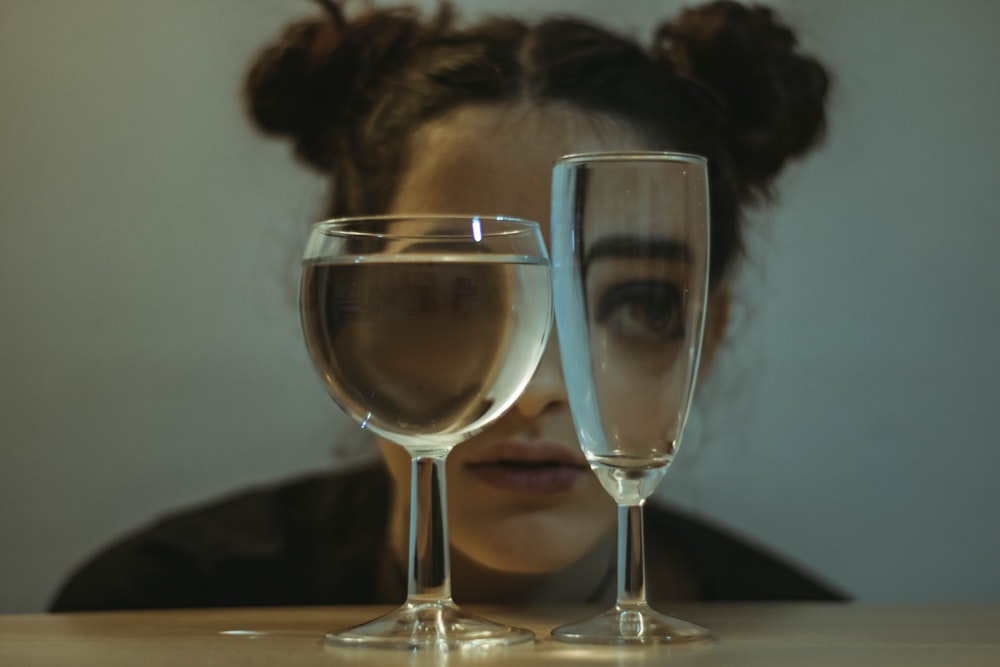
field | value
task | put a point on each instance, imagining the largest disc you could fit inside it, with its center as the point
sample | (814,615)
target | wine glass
(425,330)
(630,238)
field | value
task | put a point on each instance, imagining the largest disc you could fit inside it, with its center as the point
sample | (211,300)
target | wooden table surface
(773,634)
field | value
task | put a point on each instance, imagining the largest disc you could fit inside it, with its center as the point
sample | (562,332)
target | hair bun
(322,74)
(281,91)
(774,96)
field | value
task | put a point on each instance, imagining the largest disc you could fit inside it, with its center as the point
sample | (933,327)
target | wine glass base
(631,625)
(429,625)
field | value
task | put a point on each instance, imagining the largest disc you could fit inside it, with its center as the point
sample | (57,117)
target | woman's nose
(547,389)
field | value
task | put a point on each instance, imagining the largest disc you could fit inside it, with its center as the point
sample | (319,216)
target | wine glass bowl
(630,241)
(425,329)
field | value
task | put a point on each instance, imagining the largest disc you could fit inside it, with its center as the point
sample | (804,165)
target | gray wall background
(150,355)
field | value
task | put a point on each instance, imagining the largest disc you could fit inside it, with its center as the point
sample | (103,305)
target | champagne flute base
(436,625)
(635,624)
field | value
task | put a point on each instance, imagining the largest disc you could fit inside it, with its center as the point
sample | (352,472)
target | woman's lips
(528,467)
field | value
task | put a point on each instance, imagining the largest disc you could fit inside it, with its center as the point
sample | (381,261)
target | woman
(407,115)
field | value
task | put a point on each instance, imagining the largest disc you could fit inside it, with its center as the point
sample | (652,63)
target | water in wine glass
(424,349)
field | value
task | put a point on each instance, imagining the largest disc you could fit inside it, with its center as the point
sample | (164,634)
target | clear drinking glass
(630,239)
(425,330)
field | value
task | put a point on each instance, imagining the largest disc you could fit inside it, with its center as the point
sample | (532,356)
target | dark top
(320,540)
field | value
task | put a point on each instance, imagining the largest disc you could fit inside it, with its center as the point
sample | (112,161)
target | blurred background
(150,353)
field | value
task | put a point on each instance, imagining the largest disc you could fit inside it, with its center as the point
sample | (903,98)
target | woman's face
(521,497)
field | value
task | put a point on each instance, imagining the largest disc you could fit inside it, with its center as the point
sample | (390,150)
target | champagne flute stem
(631,555)
(430,570)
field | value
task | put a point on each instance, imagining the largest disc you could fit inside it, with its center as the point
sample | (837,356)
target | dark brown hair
(721,80)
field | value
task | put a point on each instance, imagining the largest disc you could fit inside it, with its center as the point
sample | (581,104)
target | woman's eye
(643,311)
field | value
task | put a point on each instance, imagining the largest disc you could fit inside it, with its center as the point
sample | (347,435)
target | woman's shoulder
(283,515)
(729,566)
(259,546)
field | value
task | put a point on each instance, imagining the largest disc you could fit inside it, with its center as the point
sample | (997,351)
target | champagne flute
(630,269)
(425,330)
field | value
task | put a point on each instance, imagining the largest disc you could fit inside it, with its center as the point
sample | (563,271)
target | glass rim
(341,225)
(631,156)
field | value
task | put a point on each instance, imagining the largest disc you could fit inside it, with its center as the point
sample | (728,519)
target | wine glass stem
(631,557)
(430,570)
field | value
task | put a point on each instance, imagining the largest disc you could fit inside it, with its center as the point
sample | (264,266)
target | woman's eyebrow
(631,247)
